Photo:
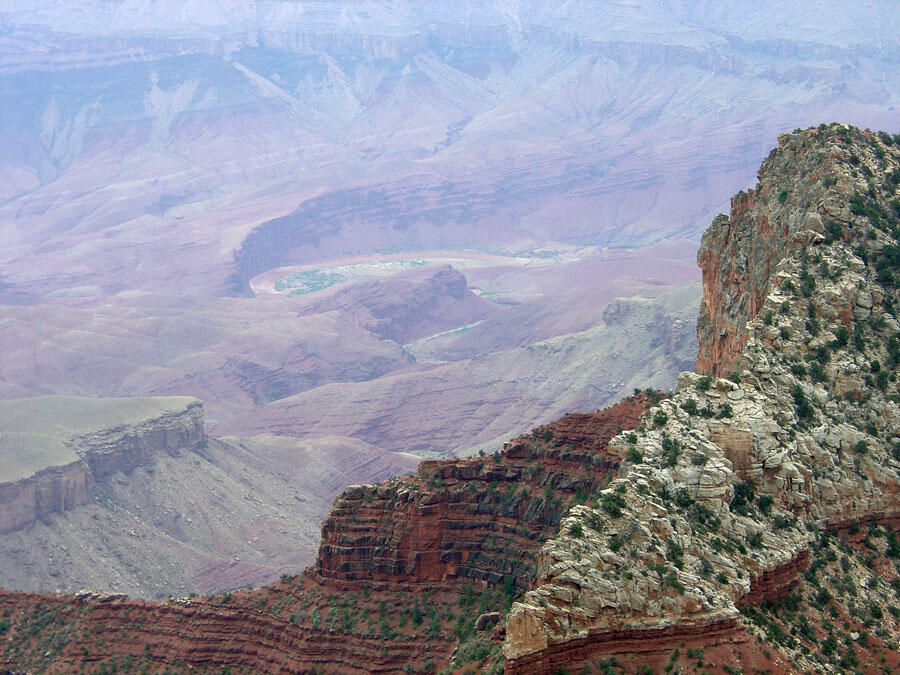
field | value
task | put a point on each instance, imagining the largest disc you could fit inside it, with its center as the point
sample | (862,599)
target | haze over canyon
(362,234)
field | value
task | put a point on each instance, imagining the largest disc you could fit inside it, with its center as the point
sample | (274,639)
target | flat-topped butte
(44,431)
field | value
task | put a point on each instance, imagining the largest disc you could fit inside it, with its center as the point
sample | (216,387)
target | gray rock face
(55,448)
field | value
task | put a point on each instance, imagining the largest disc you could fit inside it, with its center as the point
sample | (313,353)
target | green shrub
(690,406)
(893,546)
(743,496)
(576,530)
(683,498)
(595,521)
(834,231)
(841,337)
(634,456)
(782,196)
(660,418)
(674,553)
(671,449)
(671,581)
(612,504)
(801,403)
(783,522)
(704,383)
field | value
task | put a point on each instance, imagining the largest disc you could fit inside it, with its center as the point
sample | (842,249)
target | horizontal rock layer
(87,458)
(476,519)
(198,634)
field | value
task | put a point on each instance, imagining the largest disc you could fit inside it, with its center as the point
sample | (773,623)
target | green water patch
(312,280)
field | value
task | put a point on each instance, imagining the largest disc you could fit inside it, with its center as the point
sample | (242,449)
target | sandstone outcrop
(479,519)
(57,448)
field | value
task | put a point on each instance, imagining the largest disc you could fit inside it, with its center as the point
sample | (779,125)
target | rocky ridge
(727,483)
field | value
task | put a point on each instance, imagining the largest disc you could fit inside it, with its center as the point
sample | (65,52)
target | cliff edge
(733,480)
(53,449)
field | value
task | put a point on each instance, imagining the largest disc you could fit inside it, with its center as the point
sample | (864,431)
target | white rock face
(737,476)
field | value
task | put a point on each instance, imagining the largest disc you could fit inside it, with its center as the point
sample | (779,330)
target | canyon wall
(51,490)
(478,519)
(89,440)
(665,522)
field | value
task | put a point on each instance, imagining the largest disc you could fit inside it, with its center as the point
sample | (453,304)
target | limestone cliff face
(804,182)
(127,446)
(51,490)
(730,479)
(56,468)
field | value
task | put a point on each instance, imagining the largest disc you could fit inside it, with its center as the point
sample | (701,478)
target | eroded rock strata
(744,523)
(460,536)
(53,464)
(480,519)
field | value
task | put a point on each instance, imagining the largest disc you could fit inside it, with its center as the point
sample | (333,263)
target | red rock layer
(773,585)
(721,641)
(474,519)
(198,635)
(851,528)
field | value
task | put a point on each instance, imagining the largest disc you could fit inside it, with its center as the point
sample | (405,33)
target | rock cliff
(805,184)
(730,480)
(57,448)
(476,520)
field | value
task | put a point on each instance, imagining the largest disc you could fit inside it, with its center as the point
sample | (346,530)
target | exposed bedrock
(472,519)
(738,253)
(54,467)
(724,485)
(52,490)
(199,634)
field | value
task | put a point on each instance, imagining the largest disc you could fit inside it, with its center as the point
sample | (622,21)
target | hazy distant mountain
(143,143)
